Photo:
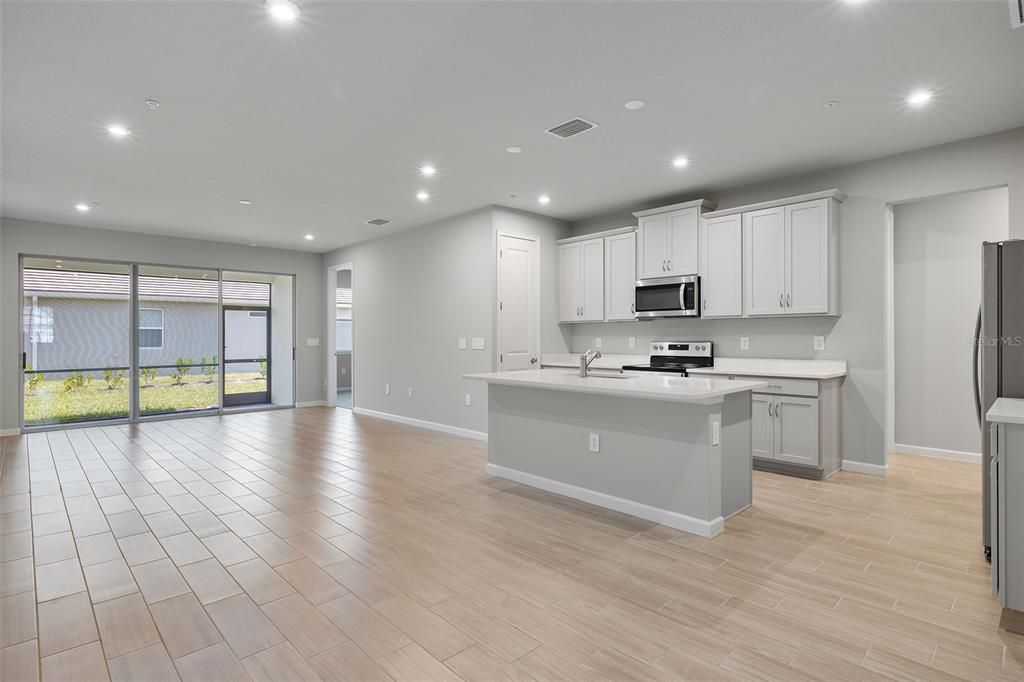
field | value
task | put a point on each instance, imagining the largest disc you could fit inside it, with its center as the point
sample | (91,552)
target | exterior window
(39,323)
(343,322)
(151,328)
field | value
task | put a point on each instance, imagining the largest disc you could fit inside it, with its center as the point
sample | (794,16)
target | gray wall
(47,239)
(418,291)
(937,278)
(857,336)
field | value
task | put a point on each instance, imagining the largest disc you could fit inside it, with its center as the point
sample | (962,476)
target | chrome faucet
(585,363)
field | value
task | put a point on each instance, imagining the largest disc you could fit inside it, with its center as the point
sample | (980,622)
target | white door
(619,276)
(683,255)
(652,249)
(807,257)
(518,303)
(796,430)
(763,262)
(569,279)
(721,271)
(592,284)
(762,432)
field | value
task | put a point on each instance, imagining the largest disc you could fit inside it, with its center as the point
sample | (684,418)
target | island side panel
(655,454)
(737,461)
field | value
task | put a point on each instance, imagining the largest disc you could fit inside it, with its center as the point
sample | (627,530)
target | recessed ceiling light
(60,266)
(58,261)
(82,208)
(680,162)
(309,237)
(544,199)
(152,103)
(513,149)
(635,104)
(428,170)
(919,97)
(422,196)
(830,105)
(284,11)
(118,130)
(245,202)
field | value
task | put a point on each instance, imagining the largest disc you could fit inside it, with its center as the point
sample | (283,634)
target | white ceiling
(324,123)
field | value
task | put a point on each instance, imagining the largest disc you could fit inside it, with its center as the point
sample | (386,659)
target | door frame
(331,337)
(535,293)
(224,360)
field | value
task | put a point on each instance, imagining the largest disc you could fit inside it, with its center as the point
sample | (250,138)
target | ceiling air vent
(571,128)
(378,222)
(1017,13)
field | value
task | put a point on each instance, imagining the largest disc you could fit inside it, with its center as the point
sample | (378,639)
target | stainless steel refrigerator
(998,348)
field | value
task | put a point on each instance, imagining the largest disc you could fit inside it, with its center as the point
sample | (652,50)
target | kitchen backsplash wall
(769,338)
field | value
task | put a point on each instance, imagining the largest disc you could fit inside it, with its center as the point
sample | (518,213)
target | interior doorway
(340,382)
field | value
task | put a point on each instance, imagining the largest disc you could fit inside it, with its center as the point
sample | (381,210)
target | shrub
(76,380)
(209,369)
(263,366)
(148,374)
(182,367)
(32,380)
(114,378)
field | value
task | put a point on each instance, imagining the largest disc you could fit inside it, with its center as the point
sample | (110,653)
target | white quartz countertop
(767,367)
(699,390)
(1006,411)
(610,361)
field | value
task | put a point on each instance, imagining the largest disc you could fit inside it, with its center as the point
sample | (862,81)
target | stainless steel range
(676,357)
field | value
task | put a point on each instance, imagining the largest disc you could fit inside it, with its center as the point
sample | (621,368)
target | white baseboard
(672,519)
(937,453)
(312,403)
(9,432)
(865,468)
(422,423)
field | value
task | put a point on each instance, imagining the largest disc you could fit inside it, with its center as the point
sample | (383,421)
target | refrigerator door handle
(975,356)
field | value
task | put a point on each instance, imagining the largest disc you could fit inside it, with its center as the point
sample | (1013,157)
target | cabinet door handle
(781,304)
(669,264)
(632,308)
(705,304)
(789,301)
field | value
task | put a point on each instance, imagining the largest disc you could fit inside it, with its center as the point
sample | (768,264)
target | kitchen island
(669,449)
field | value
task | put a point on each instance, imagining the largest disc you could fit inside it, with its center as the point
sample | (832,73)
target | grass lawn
(49,403)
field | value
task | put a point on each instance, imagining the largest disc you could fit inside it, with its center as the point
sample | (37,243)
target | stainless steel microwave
(667,297)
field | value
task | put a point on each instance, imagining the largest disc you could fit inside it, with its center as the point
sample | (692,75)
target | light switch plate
(387,389)
(312,342)
(469,400)
(716,432)
(744,343)
(410,391)
(478,343)
(595,442)
(597,342)
(462,343)
(819,343)
(632,342)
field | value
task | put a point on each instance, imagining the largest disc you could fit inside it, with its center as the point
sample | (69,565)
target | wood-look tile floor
(312,544)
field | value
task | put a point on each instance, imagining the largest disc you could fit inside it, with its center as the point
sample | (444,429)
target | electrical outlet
(462,343)
(744,343)
(716,432)
(632,342)
(312,342)
(410,391)
(469,400)
(387,389)
(819,343)
(595,442)
(597,342)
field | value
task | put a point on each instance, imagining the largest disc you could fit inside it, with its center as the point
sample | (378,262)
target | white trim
(422,423)
(596,235)
(799,199)
(889,428)
(865,468)
(690,524)
(937,453)
(312,403)
(9,432)
(700,204)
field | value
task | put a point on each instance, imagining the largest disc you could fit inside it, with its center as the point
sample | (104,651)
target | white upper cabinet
(790,255)
(668,239)
(581,281)
(721,266)
(619,276)
(764,264)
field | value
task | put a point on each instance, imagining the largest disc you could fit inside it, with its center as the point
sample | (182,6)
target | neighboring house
(79,320)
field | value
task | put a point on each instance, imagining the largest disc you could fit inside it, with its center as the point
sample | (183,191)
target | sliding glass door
(76,352)
(178,331)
